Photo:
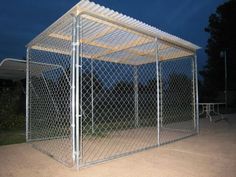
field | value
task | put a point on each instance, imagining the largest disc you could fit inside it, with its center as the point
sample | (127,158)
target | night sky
(22,20)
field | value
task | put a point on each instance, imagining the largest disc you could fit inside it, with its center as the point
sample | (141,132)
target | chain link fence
(49,105)
(98,91)
(177,98)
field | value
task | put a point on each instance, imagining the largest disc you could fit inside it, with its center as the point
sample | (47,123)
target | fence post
(161,94)
(196,94)
(157,85)
(136,95)
(78,99)
(27,97)
(92,97)
(192,58)
(73,86)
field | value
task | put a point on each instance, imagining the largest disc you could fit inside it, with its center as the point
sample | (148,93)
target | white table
(211,108)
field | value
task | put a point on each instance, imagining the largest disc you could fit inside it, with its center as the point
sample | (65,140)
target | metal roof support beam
(126,47)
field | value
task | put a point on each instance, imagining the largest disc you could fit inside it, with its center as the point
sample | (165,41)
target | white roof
(15,69)
(12,69)
(99,19)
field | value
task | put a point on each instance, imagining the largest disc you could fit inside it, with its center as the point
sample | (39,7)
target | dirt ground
(212,153)
(95,148)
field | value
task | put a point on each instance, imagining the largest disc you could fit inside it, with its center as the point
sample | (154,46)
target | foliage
(11,113)
(222,31)
(12,136)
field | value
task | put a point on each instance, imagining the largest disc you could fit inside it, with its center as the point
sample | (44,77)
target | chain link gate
(49,98)
(97,90)
(177,99)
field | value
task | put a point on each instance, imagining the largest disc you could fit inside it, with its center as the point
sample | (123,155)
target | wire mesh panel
(118,97)
(49,126)
(177,99)
(111,125)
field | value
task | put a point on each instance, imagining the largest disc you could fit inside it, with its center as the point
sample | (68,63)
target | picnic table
(210,109)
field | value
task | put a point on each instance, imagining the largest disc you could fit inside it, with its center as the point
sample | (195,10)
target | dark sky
(22,20)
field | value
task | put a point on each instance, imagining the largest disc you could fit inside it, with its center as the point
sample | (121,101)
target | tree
(177,89)
(11,112)
(222,31)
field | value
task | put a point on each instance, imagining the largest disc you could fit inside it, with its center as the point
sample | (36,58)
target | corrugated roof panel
(97,22)
(122,36)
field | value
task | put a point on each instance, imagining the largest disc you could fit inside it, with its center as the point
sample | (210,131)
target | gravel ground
(212,153)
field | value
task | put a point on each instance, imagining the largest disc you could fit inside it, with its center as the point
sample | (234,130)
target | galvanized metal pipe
(161,94)
(78,98)
(73,55)
(27,96)
(92,96)
(157,85)
(136,95)
(196,92)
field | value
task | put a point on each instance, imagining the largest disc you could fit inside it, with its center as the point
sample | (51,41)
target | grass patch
(12,136)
